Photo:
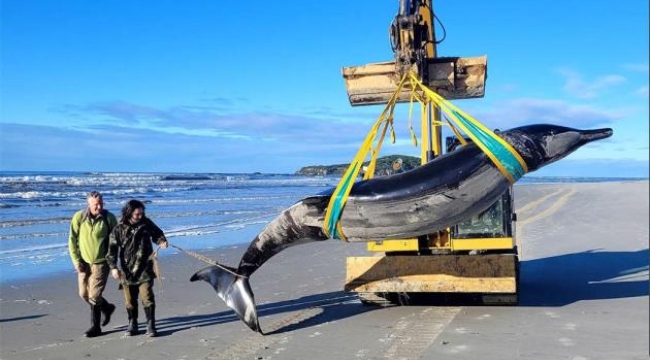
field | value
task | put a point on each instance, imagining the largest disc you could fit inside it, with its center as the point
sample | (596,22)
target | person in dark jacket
(88,245)
(131,242)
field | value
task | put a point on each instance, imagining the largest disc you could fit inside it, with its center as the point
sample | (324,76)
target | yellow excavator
(477,258)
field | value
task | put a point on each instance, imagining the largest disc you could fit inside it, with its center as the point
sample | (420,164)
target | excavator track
(376,299)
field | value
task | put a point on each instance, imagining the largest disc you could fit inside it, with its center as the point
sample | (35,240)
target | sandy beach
(584,296)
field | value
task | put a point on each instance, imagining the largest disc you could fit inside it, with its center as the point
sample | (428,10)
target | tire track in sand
(563,196)
(413,336)
(410,337)
(533,204)
(246,347)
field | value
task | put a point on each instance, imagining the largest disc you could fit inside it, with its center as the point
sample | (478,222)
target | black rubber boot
(150,312)
(107,311)
(132,328)
(95,318)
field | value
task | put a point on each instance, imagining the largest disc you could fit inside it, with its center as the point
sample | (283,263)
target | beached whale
(432,197)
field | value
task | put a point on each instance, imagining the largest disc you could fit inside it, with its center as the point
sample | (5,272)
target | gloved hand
(115,273)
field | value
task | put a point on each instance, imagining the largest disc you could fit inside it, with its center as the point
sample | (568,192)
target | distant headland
(385,166)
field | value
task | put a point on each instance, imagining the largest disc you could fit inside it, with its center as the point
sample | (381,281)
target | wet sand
(584,295)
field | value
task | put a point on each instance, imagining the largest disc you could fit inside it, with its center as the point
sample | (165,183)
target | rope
(156,269)
(206,260)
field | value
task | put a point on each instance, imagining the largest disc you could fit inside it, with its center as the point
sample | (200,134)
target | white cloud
(206,121)
(211,138)
(509,87)
(578,87)
(526,111)
(636,67)
(643,91)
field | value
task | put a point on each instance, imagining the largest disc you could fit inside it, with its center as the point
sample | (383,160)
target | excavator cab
(494,223)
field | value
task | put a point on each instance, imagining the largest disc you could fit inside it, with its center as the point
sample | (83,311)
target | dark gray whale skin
(432,197)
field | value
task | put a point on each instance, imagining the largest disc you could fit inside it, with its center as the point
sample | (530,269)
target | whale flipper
(234,290)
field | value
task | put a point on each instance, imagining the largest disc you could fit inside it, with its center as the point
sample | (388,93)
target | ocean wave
(211,228)
(221,199)
(195,214)
(32,235)
(32,222)
(33,189)
(31,249)
(185,177)
(243,217)
(26,251)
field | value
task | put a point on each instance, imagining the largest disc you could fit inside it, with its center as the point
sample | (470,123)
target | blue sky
(221,86)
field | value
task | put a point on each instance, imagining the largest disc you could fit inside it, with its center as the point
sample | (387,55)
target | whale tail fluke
(235,290)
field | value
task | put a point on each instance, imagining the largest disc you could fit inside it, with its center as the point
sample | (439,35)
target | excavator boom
(412,38)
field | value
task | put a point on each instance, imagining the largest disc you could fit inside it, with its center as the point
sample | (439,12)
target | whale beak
(596,134)
(235,291)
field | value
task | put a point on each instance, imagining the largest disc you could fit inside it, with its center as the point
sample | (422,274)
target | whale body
(421,201)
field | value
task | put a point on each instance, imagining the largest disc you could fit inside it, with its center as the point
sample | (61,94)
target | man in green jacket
(88,244)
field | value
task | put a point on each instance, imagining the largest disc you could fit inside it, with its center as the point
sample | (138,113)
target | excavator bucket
(451,77)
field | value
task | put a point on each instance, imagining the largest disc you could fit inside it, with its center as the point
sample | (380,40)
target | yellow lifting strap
(331,225)
(504,156)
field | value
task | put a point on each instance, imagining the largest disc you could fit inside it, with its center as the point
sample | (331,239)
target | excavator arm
(412,36)
(413,41)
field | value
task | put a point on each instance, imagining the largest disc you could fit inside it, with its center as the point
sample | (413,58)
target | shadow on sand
(562,280)
(591,275)
(20,318)
(552,281)
(332,306)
